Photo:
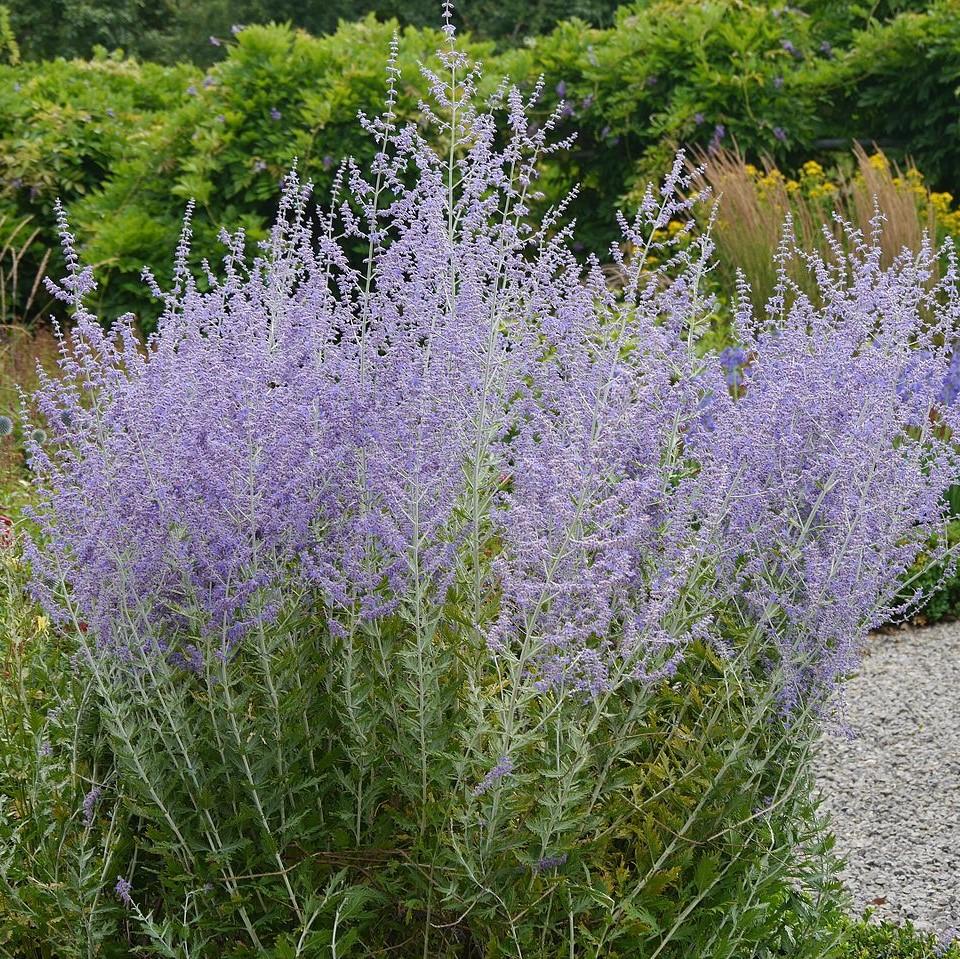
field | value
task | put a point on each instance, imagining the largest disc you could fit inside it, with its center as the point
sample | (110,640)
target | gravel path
(893,791)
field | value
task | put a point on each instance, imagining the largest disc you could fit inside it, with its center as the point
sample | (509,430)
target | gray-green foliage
(56,861)
(320,792)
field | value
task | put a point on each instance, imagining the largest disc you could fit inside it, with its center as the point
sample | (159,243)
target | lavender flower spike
(504,767)
(122,890)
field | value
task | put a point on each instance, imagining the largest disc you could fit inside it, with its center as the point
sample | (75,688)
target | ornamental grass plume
(439,598)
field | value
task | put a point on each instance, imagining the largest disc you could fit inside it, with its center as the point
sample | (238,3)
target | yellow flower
(812,170)
(792,186)
(674,227)
(750,169)
(822,190)
(878,161)
(941,201)
(42,624)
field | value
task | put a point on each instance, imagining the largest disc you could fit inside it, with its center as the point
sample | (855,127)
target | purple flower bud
(789,46)
(652,81)
(561,89)
(699,118)
(236,28)
(732,360)
(945,939)
(780,134)
(259,166)
(732,357)
(191,91)
(122,890)
(504,767)
(950,388)
(89,804)
(778,82)
(275,114)
(214,42)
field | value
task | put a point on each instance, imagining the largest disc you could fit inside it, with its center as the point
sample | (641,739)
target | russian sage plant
(436,599)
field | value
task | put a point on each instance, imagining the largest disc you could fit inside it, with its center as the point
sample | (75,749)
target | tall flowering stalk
(423,552)
(837,449)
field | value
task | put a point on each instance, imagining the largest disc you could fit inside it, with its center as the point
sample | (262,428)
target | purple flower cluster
(467,410)
(122,891)
(90,801)
(503,768)
(732,360)
(836,452)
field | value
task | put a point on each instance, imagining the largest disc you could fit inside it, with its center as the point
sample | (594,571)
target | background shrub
(279,95)
(899,81)
(173,30)
(66,128)
(125,145)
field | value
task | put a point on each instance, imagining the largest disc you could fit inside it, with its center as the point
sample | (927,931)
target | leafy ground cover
(871,940)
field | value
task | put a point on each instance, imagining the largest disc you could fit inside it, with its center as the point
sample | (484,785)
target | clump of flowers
(464,541)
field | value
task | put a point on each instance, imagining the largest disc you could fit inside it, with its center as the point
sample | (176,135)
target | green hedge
(280,95)
(66,129)
(126,144)
(900,82)
(173,30)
